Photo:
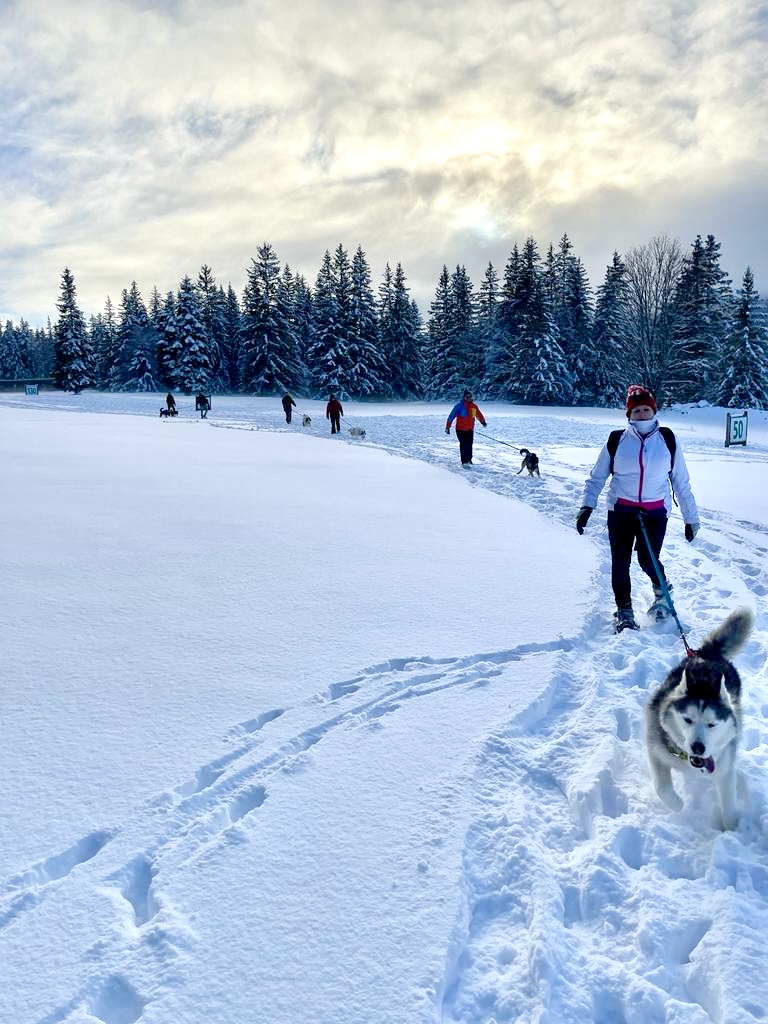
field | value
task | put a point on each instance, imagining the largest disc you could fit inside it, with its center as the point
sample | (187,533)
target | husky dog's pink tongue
(704,764)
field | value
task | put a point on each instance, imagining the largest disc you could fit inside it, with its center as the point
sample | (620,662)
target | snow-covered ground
(308,728)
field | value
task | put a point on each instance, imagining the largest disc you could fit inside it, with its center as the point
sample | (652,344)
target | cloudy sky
(140,139)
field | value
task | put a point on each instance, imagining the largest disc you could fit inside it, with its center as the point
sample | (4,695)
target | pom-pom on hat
(638,394)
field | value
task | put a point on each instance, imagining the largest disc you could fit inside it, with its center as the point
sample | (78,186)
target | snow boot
(660,608)
(625,619)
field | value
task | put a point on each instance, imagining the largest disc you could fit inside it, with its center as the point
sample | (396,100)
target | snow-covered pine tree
(168,351)
(135,345)
(269,346)
(41,353)
(14,351)
(367,366)
(106,345)
(193,365)
(73,358)
(454,356)
(488,321)
(744,369)
(703,306)
(302,318)
(539,372)
(609,339)
(499,380)
(325,360)
(213,311)
(400,335)
(231,341)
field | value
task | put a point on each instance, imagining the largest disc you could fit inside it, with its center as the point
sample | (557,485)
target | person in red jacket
(465,413)
(333,412)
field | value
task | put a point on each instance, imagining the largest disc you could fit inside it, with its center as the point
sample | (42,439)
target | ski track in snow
(567,830)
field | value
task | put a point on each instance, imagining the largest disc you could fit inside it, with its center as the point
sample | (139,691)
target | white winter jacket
(641,474)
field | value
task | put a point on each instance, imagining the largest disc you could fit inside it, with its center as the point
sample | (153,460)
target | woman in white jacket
(643,463)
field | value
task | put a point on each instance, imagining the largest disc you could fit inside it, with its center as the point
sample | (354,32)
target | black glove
(691,529)
(583,518)
(447,430)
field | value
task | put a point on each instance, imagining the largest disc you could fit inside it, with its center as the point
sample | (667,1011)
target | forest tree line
(535,334)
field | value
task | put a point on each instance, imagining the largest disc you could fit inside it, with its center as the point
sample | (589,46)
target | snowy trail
(582,899)
(549,797)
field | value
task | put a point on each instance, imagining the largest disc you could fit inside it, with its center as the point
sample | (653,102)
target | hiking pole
(663,584)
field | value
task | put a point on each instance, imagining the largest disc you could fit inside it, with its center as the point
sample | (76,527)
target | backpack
(669,438)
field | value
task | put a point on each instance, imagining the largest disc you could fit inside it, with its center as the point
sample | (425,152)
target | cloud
(142,139)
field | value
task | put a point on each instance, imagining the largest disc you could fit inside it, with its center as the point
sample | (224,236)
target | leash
(499,441)
(663,585)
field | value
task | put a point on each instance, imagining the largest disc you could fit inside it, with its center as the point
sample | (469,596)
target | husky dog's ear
(681,689)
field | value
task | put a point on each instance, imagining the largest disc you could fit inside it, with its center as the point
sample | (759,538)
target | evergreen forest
(535,333)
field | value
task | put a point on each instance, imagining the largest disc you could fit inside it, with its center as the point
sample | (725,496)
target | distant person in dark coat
(202,403)
(333,412)
(288,404)
(170,404)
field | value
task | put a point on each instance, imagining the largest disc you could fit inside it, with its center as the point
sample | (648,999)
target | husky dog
(530,462)
(356,432)
(306,421)
(694,718)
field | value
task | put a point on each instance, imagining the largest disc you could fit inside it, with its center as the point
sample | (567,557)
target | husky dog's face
(700,720)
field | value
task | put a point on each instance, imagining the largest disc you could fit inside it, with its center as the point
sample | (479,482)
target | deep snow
(309,728)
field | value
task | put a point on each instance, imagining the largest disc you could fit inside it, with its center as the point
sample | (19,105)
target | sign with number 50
(735,429)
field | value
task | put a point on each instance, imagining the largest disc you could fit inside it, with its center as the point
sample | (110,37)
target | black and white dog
(693,720)
(356,432)
(530,462)
(306,421)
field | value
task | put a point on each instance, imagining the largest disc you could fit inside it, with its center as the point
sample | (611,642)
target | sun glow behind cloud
(143,139)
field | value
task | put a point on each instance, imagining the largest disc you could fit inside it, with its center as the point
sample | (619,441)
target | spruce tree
(489,322)
(193,365)
(400,334)
(368,370)
(539,372)
(269,346)
(324,353)
(499,376)
(14,351)
(703,302)
(744,368)
(231,341)
(609,339)
(73,359)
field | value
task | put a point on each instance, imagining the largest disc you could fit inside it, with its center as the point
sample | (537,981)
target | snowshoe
(660,609)
(624,618)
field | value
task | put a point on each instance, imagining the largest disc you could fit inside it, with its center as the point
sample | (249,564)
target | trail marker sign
(735,429)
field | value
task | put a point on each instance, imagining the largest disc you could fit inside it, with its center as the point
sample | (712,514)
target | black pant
(624,532)
(335,423)
(288,415)
(465,445)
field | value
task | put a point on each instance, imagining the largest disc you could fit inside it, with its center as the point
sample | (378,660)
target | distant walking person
(202,403)
(170,404)
(465,413)
(334,412)
(288,405)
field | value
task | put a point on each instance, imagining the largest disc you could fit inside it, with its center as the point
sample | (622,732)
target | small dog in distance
(356,432)
(530,462)
(306,421)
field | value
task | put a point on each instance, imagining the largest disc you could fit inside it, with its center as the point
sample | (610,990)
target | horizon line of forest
(535,334)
